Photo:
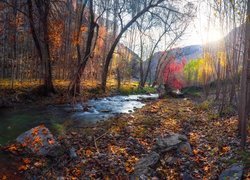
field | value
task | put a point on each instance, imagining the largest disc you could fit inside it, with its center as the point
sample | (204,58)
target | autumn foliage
(172,74)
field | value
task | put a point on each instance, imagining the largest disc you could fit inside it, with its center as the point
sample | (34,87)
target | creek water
(18,120)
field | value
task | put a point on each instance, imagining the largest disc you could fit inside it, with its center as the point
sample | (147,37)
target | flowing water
(16,121)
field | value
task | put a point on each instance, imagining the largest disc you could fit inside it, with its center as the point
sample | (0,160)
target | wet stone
(39,140)
(234,172)
(144,165)
(167,143)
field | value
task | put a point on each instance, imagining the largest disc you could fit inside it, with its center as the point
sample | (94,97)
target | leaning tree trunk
(123,30)
(74,86)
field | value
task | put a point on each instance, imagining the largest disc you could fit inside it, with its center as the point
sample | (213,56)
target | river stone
(144,165)
(185,148)
(39,140)
(167,143)
(234,172)
(72,153)
(187,176)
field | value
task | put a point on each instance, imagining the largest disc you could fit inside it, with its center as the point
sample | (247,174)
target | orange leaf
(51,141)
(195,151)
(206,168)
(88,153)
(26,160)
(22,168)
(226,149)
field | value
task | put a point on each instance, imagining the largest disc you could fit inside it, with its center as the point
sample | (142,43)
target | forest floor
(110,149)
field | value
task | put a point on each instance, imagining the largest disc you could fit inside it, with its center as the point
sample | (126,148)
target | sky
(198,31)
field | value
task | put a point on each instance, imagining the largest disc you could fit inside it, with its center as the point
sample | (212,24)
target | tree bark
(245,84)
(74,86)
(42,44)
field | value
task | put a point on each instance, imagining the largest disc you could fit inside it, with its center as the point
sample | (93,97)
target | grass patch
(58,128)
(193,91)
(149,122)
(243,156)
(128,90)
(205,105)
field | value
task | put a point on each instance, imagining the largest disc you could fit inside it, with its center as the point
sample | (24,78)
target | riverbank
(112,148)
(30,92)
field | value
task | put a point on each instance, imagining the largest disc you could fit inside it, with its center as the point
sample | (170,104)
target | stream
(56,117)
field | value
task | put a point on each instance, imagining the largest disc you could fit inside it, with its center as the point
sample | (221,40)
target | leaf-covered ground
(110,149)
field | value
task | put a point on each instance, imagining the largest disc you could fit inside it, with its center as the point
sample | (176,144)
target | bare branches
(13,6)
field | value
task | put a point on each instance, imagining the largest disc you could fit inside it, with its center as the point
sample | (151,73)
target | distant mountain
(187,52)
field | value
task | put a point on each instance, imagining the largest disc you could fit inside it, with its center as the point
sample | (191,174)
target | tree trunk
(245,84)
(118,78)
(74,86)
(112,49)
(42,46)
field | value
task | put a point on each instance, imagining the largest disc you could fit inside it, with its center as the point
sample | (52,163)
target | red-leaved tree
(172,74)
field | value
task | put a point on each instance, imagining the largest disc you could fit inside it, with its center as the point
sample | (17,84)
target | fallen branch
(96,139)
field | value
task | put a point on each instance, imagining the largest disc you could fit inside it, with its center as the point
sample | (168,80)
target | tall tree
(124,28)
(245,84)
(74,86)
(42,41)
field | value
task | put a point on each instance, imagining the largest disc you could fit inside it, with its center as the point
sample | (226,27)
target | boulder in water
(39,140)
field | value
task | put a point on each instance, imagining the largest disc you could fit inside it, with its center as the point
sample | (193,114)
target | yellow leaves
(117,150)
(222,58)
(171,124)
(129,165)
(154,109)
(115,129)
(194,137)
(226,149)
(205,70)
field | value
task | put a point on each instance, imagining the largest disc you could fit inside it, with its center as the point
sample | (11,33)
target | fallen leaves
(88,153)
(122,142)
(129,164)
(22,168)
(26,161)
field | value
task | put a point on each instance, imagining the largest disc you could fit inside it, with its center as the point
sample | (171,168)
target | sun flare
(214,35)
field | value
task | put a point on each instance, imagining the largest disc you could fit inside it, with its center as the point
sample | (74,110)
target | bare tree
(42,43)
(124,28)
